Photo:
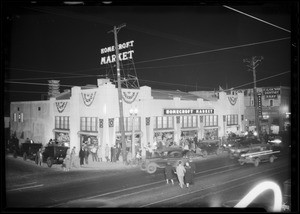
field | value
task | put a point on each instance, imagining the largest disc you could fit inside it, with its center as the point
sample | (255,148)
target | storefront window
(89,141)
(128,124)
(88,124)
(211,120)
(189,121)
(232,119)
(211,134)
(62,122)
(164,122)
(63,139)
(163,139)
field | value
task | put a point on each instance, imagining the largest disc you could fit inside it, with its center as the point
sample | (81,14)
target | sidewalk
(109,166)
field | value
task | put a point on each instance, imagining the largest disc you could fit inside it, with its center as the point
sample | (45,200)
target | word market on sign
(122,56)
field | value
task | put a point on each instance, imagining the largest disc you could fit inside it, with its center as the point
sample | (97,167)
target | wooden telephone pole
(121,119)
(252,64)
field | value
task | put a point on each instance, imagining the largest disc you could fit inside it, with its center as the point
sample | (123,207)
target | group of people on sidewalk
(185,173)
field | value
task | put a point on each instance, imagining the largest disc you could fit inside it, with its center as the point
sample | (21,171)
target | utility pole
(121,119)
(252,64)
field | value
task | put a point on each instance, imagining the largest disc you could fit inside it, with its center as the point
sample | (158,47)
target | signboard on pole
(271,93)
(126,55)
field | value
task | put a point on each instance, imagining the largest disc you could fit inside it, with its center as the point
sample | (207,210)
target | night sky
(184,47)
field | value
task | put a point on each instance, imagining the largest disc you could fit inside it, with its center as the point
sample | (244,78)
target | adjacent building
(274,107)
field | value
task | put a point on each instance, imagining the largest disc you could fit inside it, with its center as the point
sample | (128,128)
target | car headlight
(243,155)
(276,141)
(238,150)
(229,145)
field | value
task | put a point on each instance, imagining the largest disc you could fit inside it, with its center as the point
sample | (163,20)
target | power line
(159,59)
(165,83)
(215,50)
(29,92)
(257,19)
(257,81)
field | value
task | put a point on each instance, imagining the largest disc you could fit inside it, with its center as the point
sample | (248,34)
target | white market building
(74,116)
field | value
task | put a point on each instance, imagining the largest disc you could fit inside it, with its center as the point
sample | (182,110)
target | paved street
(219,181)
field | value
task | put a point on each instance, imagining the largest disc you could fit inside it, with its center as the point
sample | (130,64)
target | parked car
(54,154)
(232,141)
(29,150)
(160,159)
(244,146)
(257,155)
(209,147)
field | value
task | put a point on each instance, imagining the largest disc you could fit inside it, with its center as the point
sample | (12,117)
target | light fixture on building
(266,116)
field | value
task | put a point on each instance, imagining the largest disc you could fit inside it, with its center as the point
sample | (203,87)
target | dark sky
(201,44)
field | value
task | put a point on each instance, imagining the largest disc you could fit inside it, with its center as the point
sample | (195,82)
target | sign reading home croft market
(122,55)
(187,111)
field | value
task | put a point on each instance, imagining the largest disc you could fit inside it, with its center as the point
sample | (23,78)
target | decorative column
(177,130)
(75,118)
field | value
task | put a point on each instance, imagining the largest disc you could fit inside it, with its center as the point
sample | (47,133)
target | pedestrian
(94,153)
(107,153)
(86,155)
(66,163)
(169,173)
(113,153)
(180,170)
(73,157)
(118,151)
(39,157)
(185,149)
(193,169)
(81,156)
(99,155)
(188,177)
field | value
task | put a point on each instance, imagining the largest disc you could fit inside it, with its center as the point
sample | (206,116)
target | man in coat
(193,169)
(169,173)
(81,156)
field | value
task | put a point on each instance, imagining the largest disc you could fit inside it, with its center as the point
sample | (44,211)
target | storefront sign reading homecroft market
(122,55)
(187,111)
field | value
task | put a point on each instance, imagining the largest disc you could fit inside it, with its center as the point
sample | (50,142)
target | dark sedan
(160,159)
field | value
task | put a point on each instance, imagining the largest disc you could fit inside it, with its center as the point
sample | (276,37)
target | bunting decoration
(232,100)
(88,98)
(61,106)
(129,96)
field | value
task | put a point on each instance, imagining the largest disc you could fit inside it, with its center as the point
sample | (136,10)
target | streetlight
(133,113)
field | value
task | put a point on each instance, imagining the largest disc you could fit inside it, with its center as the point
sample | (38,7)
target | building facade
(274,108)
(90,115)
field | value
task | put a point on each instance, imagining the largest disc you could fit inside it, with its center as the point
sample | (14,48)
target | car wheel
(272,159)
(242,163)
(256,162)
(49,162)
(204,153)
(151,168)
(143,166)
(24,156)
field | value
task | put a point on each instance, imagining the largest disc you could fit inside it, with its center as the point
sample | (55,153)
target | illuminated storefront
(90,116)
